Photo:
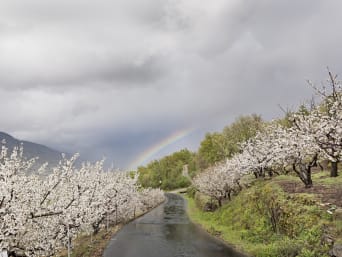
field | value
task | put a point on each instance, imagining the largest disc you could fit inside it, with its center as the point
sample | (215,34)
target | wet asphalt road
(166,232)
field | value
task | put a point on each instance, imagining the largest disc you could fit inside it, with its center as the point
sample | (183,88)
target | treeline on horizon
(167,172)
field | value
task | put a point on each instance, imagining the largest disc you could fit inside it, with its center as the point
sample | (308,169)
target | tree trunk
(270,172)
(228,194)
(304,173)
(219,202)
(309,179)
(333,171)
(239,185)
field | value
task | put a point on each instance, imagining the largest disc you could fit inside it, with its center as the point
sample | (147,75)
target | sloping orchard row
(315,135)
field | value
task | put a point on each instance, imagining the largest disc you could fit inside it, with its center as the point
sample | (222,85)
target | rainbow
(156,148)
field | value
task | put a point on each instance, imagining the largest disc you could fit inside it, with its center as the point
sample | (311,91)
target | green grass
(246,221)
(338,230)
(291,177)
(210,222)
(323,177)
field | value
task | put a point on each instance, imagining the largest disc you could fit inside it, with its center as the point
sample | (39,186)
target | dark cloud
(116,77)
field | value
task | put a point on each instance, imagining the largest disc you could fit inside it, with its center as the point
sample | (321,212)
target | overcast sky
(117,77)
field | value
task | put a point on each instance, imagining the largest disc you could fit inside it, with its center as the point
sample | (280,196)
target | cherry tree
(259,152)
(13,199)
(276,149)
(296,149)
(283,148)
(324,122)
(219,181)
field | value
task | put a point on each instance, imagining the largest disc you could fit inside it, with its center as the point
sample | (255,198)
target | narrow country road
(166,232)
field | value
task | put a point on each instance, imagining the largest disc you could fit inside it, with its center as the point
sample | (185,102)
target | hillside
(32,150)
(278,217)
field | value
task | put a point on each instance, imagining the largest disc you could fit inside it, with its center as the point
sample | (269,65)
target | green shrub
(283,248)
(182,182)
(191,191)
(307,253)
(202,200)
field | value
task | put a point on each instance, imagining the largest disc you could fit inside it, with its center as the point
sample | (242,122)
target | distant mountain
(31,150)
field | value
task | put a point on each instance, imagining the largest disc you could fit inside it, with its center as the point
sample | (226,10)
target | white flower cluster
(39,212)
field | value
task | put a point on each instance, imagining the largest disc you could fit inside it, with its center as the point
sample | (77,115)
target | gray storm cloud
(115,77)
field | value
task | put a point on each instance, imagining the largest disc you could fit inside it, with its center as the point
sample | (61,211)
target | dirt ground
(326,193)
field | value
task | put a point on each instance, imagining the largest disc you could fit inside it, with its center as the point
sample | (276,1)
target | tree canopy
(166,173)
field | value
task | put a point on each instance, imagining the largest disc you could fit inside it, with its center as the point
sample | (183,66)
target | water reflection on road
(166,232)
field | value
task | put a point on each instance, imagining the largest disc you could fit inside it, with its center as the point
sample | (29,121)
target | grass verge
(266,221)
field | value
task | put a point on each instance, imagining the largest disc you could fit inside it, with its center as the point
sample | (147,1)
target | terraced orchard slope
(279,217)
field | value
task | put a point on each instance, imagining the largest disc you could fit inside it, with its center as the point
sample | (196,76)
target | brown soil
(331,194)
